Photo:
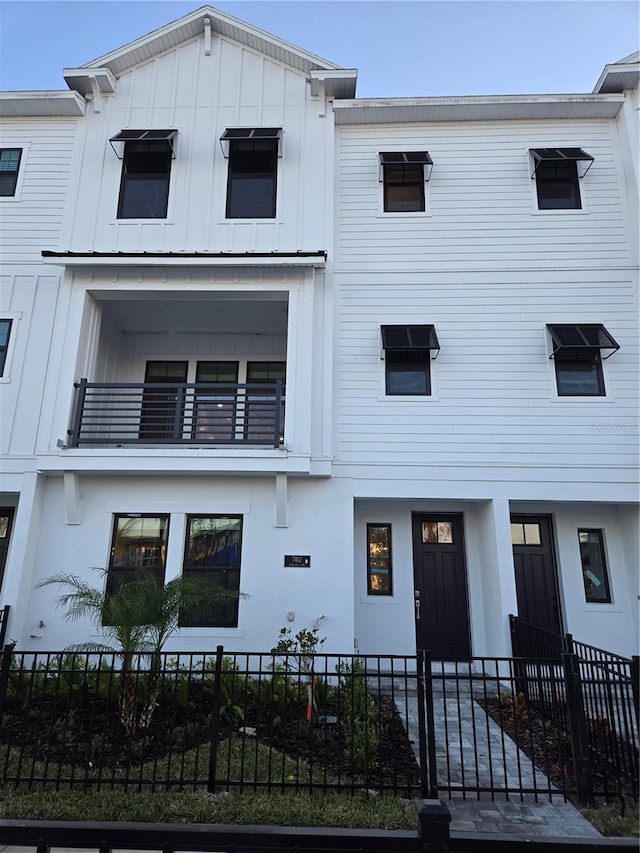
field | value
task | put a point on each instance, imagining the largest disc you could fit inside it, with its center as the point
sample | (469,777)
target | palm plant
(136,618)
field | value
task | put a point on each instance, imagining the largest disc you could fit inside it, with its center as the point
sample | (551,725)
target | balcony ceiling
(191,315)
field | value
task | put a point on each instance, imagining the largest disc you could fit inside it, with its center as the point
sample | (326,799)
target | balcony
(155,414)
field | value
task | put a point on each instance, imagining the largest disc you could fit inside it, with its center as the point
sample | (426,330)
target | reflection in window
(594,566)
(139,544)
(215,415)
(525,534)
(212,551)
(4,526)
(379,578)
(437,531)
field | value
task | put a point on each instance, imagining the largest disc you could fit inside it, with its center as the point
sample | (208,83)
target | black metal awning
(242,134)
(406,158)
(145,135)
(410,338)
(581,337)
(576,155)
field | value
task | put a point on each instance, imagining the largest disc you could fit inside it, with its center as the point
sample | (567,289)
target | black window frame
(4,346)
(252,159)
(117,572)
(159,154)
(376,567)
(403,173)
(577,349)
(215,404)
(408,351)
(9,176)
(226,574)
(557,176)
(585,363)
(587,565)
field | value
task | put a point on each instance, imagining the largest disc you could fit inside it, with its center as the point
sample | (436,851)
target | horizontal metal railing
(121,413)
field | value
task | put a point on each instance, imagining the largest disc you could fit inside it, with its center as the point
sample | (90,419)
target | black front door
(535,568)
(441,604)
(6,522)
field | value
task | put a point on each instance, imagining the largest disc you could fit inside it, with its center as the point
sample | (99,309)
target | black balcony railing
(119,413)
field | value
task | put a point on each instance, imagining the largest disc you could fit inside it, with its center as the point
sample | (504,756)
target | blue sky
(400,47)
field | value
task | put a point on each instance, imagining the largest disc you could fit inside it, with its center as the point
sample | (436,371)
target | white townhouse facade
(373,363)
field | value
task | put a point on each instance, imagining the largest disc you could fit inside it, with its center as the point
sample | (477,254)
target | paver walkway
(474,746)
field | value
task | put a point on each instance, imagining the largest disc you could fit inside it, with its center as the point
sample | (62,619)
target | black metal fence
(178,413)
(590,693)
(253,721)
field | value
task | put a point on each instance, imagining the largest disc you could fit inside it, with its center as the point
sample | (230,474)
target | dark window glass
(5,331)
(407,372)
(215,415)
(260,414)
(251,187)
(163,409)
(557,185)
(379,573)
(212,551)
(139,544)
(594,566)
(403,188)
(144,187)
(579,373)
(9,167)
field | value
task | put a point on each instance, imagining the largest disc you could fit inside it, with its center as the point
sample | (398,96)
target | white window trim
(17,196)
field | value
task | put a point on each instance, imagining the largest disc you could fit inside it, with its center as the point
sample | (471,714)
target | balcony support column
(72,497)
(282,519)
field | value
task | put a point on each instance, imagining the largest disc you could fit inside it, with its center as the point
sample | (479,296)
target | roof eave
(42,104)
(618,77)
(473,108)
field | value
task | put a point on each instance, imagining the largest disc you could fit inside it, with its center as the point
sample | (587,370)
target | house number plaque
(297,561)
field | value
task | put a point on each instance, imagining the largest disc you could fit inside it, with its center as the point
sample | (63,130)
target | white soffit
(493,108)
(25,104)
(620,76)
(191,27)
(81,79)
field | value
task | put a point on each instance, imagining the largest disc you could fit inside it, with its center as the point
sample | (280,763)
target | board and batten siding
(481,203)
(201,96)
(31,221)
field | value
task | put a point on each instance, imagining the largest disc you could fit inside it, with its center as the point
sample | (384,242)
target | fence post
(431,726)
(422,725)
(513,628)
(5,669)
(215,721)
(635,686)
(567,644)
(4,622)
(578,729)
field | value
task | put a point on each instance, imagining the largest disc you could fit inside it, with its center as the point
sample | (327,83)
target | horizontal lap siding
(494,388)
(32,221)
(481,199)
(490,272)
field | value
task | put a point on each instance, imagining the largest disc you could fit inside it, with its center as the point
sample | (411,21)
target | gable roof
(620,75)
(193,25)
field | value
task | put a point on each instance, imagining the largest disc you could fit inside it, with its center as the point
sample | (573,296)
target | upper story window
(557,172)
(253,171)
(9,169)
(146,166)
(577,358)
(408,351)
(403,174)
(5,331)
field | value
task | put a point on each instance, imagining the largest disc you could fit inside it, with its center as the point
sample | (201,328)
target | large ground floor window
(212,551)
